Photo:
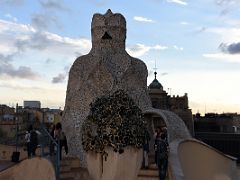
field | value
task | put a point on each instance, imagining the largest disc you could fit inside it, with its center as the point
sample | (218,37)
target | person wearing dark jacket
(61,138)
(156,137)
(32,141)
(27,138)
(51,142)
(162,156)
(146,151)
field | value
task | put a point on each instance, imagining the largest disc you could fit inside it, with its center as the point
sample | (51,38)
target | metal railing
(47,141)
(50,147)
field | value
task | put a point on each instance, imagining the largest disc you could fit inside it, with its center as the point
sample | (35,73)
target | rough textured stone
(105,69)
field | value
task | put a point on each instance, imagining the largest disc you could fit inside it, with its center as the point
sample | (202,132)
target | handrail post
(58,161)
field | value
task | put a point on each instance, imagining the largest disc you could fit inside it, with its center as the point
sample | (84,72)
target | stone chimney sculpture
(105,69)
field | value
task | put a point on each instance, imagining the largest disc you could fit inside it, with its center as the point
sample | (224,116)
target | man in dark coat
(162,156)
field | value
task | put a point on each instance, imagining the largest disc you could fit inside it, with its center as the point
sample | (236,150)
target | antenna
(155,69)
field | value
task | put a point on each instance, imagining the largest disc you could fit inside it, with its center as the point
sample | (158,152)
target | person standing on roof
(61,138)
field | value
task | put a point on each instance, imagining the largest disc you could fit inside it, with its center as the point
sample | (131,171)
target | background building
(177,104)
(222,123)
(222,131)
(8,123)
(23,117)
(32,104)
(6,110)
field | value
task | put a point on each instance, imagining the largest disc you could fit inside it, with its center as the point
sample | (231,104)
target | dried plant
(114,121)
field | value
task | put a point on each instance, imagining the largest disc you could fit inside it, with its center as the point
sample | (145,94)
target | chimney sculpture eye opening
(106,36)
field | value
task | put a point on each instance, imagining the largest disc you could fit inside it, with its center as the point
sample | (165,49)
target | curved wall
(202,162)
(29,169)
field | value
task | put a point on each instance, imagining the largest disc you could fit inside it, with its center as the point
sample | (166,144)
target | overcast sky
(195,43)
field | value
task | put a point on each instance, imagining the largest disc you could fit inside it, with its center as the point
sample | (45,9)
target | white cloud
(223,57)
(178,48)
(178,2)
(228,39)
(15,28)
(231,22)
(44,20)
(24,50)
(184,23)
(53,4)
(9,16)
(20,37)
(8,71)
(143,19)
(138,50)
(227,35)
(159,47)
(227,6)
(141,49)
(60,78)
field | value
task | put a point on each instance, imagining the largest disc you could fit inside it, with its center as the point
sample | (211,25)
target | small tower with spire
(161,100)
(155,84)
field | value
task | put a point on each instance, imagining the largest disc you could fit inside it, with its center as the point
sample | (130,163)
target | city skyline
(195,45)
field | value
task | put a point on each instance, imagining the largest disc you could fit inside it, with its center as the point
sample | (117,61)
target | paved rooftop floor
(4,164)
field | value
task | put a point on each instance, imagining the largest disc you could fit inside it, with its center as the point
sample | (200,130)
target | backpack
(34,138)
(162,149)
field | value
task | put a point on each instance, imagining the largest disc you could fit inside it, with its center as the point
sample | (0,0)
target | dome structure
(155,83)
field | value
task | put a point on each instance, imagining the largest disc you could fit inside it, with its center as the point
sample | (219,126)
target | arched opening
(158,122)
(175,125)
(154,122)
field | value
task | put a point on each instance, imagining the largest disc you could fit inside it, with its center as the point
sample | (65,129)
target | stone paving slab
(5,164)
